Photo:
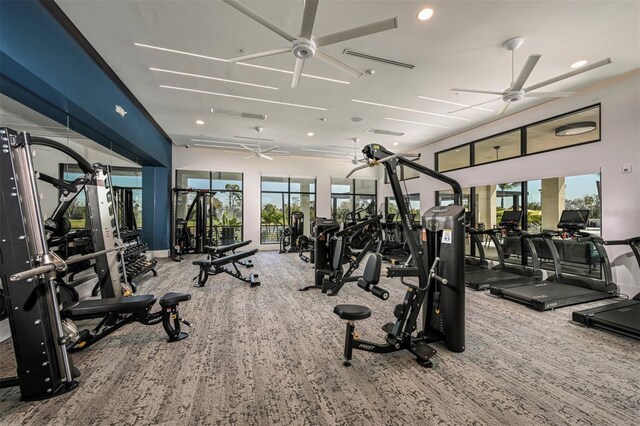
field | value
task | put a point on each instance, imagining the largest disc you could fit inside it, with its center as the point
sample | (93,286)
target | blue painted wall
(43,67)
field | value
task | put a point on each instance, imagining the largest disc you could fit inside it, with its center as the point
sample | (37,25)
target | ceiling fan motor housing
(304,48)
(512,96)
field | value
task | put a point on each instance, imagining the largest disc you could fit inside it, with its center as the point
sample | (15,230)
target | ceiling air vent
(230,113)
(383,132)
(377,58)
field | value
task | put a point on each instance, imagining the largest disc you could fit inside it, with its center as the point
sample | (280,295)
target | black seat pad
(97,308)
(202,262)
(232,257)
(352,312)
(173,298)
(222,249)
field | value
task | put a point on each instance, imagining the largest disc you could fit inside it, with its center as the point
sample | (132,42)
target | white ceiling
(461,46)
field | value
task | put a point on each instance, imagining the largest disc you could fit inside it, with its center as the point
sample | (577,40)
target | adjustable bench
(216,265)
(215,252)
(116,313)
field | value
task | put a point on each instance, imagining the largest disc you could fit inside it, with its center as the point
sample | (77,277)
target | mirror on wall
(455,158)
(572,129)
(496,148)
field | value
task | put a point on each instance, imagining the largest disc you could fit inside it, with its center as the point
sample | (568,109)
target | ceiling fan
(354,160)
(259,153)
(306,46)
(516,91)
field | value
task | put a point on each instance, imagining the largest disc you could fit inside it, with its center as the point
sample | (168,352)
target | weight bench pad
(101,307)
(203,262)
(222,249)
(173,298)
(352,312)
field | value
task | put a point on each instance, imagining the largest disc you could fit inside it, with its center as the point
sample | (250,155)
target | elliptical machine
(439,267)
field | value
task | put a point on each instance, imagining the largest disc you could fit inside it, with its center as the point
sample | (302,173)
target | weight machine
(200,209)
(439,267)
(290,238)
(42,330)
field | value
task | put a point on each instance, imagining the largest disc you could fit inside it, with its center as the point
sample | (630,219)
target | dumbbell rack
(135,259)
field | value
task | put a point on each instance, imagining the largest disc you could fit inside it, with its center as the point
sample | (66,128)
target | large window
(282,196)
(574,128)
(226,205)
(123,177)
(391,207)
(543,201)
(348,195)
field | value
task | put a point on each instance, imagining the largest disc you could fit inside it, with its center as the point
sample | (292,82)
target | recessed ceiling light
(226,95)
(579,64)
(212,58)
(199,122)
(416,122)
(309,133)
(395,143)
(425,14)
(356,119)
(454,103)
(214,78)
(410,110)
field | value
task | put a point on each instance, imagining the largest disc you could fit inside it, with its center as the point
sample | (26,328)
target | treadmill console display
(511,219)
(573,219)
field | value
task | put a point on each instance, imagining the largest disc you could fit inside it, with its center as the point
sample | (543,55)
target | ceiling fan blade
(325,57)
(569,74)
(475,105)
(247,148)
(308,18)
(261,54)
(297,73)
(503,108)
(269,149)
(486,92)
(260,19)
(525,72)
(548,94)
(265,156)
(364,30)
(247,157)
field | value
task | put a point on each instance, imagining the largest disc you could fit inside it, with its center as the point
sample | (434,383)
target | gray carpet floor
(273,355)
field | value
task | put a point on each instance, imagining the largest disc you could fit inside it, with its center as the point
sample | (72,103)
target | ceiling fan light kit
(305,46)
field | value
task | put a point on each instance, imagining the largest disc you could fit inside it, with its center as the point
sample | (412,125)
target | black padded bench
(216,265)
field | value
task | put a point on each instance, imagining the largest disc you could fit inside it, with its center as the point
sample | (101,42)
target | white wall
(253,168)
(620,100)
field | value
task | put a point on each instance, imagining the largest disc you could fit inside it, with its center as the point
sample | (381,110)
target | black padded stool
(350,313)
(169,303)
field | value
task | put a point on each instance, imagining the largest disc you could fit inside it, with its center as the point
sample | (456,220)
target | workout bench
(216,263)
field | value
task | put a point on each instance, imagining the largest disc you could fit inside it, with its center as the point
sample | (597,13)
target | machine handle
(59,265)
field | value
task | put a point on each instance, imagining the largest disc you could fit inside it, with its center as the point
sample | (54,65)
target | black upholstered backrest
(372,269)
(338,252)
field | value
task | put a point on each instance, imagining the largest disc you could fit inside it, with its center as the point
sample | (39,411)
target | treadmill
(561,289)
(622,317)
(475,263)
(505,274)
